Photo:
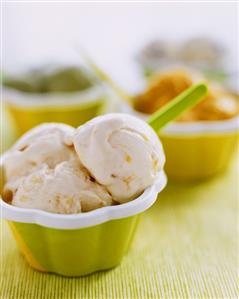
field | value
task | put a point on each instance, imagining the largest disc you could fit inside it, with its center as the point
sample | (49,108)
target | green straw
(174,108)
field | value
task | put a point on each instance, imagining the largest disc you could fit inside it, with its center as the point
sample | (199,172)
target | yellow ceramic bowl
(199,150)
(74,109)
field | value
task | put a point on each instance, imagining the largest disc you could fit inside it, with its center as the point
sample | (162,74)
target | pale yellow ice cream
(121,152)
(59,169)
(42,171)
(47,143)
(66,189)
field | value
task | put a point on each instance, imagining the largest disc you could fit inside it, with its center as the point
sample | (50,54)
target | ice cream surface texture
(121,152)
(66,189)
(47,143)
(59,169)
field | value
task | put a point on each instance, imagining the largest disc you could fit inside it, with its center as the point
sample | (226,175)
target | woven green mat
(186,246)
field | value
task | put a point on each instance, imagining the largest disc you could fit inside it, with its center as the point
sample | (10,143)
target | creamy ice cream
(121,152)
(59,169)
(42,171)
(66,189)
(47,143)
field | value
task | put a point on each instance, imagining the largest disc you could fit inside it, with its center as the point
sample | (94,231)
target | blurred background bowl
(73,108)
(199,150)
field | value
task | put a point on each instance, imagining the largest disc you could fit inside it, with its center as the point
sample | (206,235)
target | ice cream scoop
(66,189)
(56,168)
(121,152)
(48,143)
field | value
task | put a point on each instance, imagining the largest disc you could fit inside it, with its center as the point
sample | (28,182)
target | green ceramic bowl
(78,244)
(74,108)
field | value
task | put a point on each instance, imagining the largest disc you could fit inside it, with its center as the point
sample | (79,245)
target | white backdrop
(112,33)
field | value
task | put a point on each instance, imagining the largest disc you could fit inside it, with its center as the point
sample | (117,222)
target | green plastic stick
(174,108)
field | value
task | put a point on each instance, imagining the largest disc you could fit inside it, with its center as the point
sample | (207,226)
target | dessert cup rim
(202,127)
(192,128)
(33,100)
(87,219)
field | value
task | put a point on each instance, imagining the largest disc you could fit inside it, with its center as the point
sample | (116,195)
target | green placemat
(186,246)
